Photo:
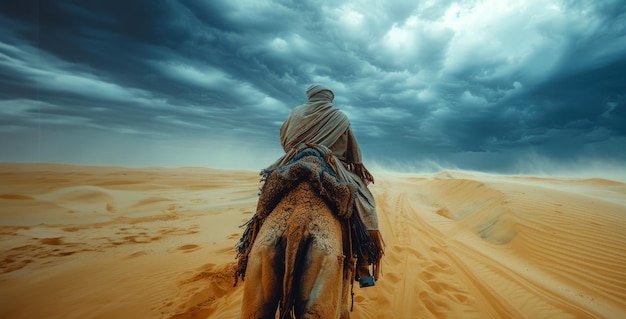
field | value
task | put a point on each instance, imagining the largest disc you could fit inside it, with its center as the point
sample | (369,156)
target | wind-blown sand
(111,242)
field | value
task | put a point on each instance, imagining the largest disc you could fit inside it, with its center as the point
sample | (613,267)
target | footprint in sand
(15,196)
(189,248)
(445,212)
(226,250)
(52,241)
(393,278)
(137,254)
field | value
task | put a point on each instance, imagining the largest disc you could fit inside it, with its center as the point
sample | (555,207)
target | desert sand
(114,242)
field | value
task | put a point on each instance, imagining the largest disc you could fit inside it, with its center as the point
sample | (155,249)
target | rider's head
(319,92)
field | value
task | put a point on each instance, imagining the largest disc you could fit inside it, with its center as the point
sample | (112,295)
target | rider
(319,122)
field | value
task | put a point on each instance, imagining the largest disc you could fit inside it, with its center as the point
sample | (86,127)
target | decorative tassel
(379,247)
(369,244)
(244,246)
(362,172)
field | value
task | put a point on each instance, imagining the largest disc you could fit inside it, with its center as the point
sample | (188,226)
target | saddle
(308,165)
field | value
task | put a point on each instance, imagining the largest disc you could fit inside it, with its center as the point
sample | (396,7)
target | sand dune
(111,242)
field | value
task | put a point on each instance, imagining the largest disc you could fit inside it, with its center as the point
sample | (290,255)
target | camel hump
(308,165)
(295,249)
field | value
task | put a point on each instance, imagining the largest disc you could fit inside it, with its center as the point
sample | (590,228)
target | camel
(298,250)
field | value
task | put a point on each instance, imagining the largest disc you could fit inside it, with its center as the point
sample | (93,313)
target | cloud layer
(486,85)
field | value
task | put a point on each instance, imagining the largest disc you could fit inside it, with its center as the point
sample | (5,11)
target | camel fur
(296,260)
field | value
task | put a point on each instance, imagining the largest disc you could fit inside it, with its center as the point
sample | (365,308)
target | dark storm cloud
(472,84)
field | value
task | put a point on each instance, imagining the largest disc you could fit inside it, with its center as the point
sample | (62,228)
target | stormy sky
(495,85)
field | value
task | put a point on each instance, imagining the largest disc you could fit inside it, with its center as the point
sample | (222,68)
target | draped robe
(320,123)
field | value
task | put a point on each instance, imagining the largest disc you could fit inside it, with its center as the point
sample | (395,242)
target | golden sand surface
(115,242)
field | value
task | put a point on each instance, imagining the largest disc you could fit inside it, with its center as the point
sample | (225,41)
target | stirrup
(366,281)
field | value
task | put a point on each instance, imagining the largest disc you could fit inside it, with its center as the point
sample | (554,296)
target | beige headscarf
(321,92)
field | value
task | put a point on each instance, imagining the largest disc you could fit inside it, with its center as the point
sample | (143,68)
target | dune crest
(112,242)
